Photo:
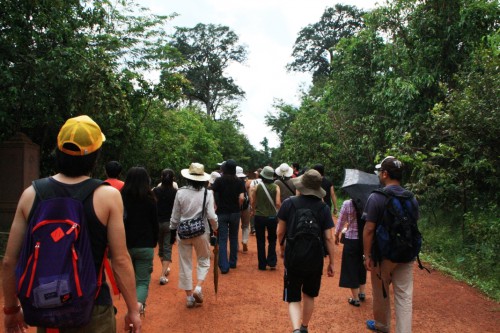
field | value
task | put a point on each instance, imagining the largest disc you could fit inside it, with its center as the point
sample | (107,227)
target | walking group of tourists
(86,223)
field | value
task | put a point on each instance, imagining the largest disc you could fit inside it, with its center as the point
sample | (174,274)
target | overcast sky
(268,28)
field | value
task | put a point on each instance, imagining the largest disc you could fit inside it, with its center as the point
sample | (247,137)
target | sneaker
(370,324)
(142,309)
(167,272)
(191,302)
(362,297)
(198,297)
(303,329)
(163,280)
(245,247)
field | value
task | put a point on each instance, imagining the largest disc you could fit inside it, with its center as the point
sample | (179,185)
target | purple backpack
(56,275)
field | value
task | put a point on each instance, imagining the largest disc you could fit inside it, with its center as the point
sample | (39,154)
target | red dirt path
(249,300)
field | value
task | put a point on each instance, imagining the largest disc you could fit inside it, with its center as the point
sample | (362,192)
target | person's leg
(349,269)
(184,248)
(223,235)
(260,235)
(202,248)
(272,226)
(245,228)
(294,310)
(165,251)
(234,228)
(143,267)
(355,294)
(307,309)
(402,283)
(381,304)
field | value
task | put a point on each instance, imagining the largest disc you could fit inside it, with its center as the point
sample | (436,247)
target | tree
(281,122)
(208,50)
(64,58)
(314,46)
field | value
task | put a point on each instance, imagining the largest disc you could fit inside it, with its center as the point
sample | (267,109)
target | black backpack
(397,236)
(304,250)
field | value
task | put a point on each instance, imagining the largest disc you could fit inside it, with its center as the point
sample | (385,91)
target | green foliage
(470,254)
(418,80)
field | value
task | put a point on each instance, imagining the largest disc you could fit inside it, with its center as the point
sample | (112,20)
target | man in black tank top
(79,143)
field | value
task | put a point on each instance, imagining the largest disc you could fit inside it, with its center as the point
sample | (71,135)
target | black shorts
(295,285)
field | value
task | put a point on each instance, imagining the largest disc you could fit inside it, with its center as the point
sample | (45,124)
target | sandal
(354,302)
(362,297)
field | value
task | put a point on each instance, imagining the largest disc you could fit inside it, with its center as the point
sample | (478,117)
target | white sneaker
(167,272)
(191,302)
(198,296)
(163,280)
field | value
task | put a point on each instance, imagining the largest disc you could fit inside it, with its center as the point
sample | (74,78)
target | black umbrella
(359,185)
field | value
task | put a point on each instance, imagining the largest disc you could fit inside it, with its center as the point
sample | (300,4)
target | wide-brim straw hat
(195,172)
(310,184)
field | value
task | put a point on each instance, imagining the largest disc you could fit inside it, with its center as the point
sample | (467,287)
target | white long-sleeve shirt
(187,205)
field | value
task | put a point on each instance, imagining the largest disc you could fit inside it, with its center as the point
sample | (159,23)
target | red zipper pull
(33,271)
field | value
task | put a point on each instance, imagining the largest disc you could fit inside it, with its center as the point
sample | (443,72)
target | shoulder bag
(192,228)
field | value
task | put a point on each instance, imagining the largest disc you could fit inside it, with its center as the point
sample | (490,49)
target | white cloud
(269,29)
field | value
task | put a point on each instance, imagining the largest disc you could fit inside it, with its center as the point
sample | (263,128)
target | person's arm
(253,191)
(281,236)
(334,199)
(368,233)
(156,225)
(109,207)
(330,245)
(14,244)
(211,215)
(241,198)
(340,223)
(278,197)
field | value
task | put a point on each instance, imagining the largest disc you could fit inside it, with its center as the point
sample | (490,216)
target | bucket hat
(82,132)
(239,172)
(310,183)
(267,173)
(213,176)
(284,170)
(195,172)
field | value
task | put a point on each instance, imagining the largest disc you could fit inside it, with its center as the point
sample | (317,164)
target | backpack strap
(288,187)
(268,196)
(45,191)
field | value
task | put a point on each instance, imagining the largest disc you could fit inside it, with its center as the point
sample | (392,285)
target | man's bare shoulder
(106,193)
(26,200)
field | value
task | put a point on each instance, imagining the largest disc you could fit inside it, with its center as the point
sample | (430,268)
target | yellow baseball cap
(83,132)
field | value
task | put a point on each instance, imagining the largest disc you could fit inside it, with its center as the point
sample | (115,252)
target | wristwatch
(364,257)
